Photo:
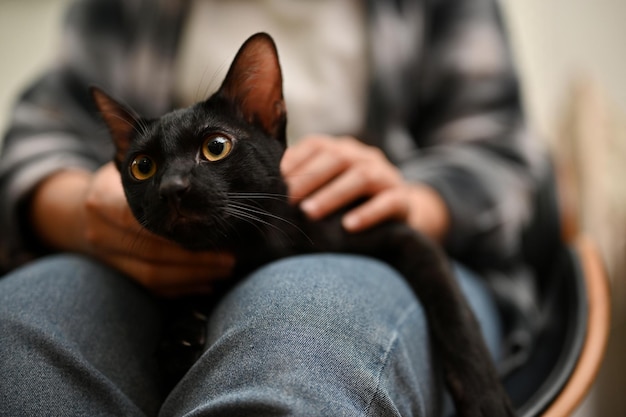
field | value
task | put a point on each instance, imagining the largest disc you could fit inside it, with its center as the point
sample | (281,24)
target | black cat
(208,177)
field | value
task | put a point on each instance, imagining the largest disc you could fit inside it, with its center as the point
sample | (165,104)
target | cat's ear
(120,120)
(254,83)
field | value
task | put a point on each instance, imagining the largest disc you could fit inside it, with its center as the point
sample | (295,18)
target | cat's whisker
(263,212)
(143,126)
(134,240)
(248,193)
(138,125)
(250,215)
(260,211)
(254,214)
(205,85)
(223,225)
(254,221)
(251,196)
(250,219)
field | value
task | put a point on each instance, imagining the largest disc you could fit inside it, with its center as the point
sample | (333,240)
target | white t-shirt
(321,47)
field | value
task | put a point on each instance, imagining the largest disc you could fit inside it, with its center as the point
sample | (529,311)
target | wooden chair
(562,368)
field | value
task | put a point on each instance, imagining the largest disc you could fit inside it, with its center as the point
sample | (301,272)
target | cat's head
(206,175)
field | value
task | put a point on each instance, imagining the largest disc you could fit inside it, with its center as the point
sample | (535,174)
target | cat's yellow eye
(216,147)
(143,167)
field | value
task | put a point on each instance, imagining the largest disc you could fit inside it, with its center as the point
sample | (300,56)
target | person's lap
(75,334)
(319,334)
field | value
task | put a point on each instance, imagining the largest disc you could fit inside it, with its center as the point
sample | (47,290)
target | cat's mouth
(179,219)
(193,232)
(184,228)
(183,222)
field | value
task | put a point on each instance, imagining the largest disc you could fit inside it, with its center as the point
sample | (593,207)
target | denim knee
(43,285)
(63,285)
(347,293)
(318,335)
(77,337)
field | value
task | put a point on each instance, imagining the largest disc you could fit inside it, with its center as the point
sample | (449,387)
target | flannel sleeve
(55,126)
(475,147)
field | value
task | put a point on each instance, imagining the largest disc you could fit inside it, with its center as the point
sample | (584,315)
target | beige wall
(29,34)
(555,41)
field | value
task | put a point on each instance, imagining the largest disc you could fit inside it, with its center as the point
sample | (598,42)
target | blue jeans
(317,335)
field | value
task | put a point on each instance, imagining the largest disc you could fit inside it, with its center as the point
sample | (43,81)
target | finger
(386,205)
(294,157)
(297,154)
(166,276)
(313,174)
(106,193)
(338,193)
(154,249)
(147,247)
(362,179)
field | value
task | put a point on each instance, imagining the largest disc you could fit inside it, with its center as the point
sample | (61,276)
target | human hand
(324,174)
(103,226)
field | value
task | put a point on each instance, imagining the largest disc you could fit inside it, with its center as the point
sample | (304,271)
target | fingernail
(310,207)
(351,222)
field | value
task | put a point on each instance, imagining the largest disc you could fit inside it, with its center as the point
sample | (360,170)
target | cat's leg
(76,339)
(315,335)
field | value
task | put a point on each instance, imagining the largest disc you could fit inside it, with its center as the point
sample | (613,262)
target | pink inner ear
(254,83)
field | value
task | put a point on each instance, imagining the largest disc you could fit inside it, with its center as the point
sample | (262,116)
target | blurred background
(573,68)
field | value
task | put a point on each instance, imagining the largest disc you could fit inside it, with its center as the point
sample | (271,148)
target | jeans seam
(390,348)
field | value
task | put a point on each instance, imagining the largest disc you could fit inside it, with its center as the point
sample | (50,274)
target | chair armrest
(597,335)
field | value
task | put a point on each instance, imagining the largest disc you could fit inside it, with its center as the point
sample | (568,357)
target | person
(428,88)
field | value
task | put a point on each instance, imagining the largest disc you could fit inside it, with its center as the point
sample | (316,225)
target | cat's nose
(174,188)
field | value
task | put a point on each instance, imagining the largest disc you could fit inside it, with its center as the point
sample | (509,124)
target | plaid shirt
(443,104)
